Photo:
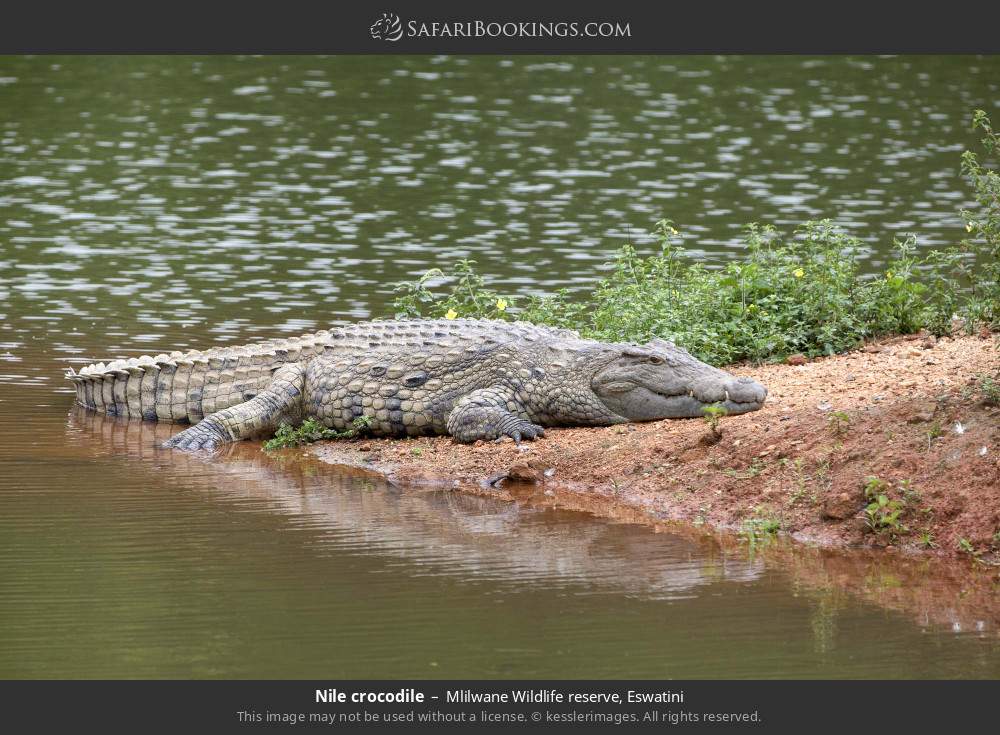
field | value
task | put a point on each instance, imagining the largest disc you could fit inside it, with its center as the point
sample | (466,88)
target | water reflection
(441,532)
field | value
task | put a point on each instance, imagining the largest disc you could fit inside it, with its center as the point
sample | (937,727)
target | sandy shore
(906,410)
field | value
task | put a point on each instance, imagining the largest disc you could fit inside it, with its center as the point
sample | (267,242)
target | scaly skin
(472,379)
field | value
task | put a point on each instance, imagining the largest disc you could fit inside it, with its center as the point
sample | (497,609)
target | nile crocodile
(472,379)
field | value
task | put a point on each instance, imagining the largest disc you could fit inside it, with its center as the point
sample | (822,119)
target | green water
(155,203)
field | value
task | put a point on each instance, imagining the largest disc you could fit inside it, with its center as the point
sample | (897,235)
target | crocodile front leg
(280,402)
(487,414)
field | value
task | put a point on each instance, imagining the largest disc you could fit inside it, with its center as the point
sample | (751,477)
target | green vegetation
(838,421)
(966,547)
(312,430)
(934,431)
(757,466)
(801,490)
(712,415)
(760,528)
(990,388)
(788,294)
(883,512)
(983,226)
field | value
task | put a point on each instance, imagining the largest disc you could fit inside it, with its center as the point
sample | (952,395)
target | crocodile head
(661,381)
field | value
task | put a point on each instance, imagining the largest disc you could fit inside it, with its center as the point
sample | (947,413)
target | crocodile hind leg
(280,402)
(491,413)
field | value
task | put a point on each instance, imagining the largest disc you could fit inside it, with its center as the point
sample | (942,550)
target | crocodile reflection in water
(467,535)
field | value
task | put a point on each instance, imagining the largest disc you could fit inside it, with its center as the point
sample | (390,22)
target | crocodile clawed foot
(522,430)
(194,439)
(193,445)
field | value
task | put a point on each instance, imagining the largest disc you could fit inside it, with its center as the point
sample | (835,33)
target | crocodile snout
(743,394)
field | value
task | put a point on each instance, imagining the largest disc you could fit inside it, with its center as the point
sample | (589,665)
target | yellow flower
(451,314)
(798,273)
(752,307)
(888,275)
(968,227)
(501,304)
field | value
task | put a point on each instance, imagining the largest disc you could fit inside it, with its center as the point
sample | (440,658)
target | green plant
(800,484)
(469,296)
(926,540)
(312,430)
(874,487)
(757,466)
(990,389)
(966,547)
(759,528)
(883,512)
(983,247)
(934,431)
(838,421)
(712,415)
(911,496)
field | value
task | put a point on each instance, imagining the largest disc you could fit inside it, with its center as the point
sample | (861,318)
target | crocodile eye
(654,360)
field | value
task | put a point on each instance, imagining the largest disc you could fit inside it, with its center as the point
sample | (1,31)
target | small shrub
(838,421)
(801,294)
(874,487)
(312,430)
(884,512)
(713,414)
(926,540)
(982,248)
(756,467)
(759,529)
(469,296)
(990,389)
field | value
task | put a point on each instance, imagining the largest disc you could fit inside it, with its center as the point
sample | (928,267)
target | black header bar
(515,26)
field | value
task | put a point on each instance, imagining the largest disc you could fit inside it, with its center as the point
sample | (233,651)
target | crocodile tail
(112,388)
(186,386)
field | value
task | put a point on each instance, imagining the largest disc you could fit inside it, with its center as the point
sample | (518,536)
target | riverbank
(907,411)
